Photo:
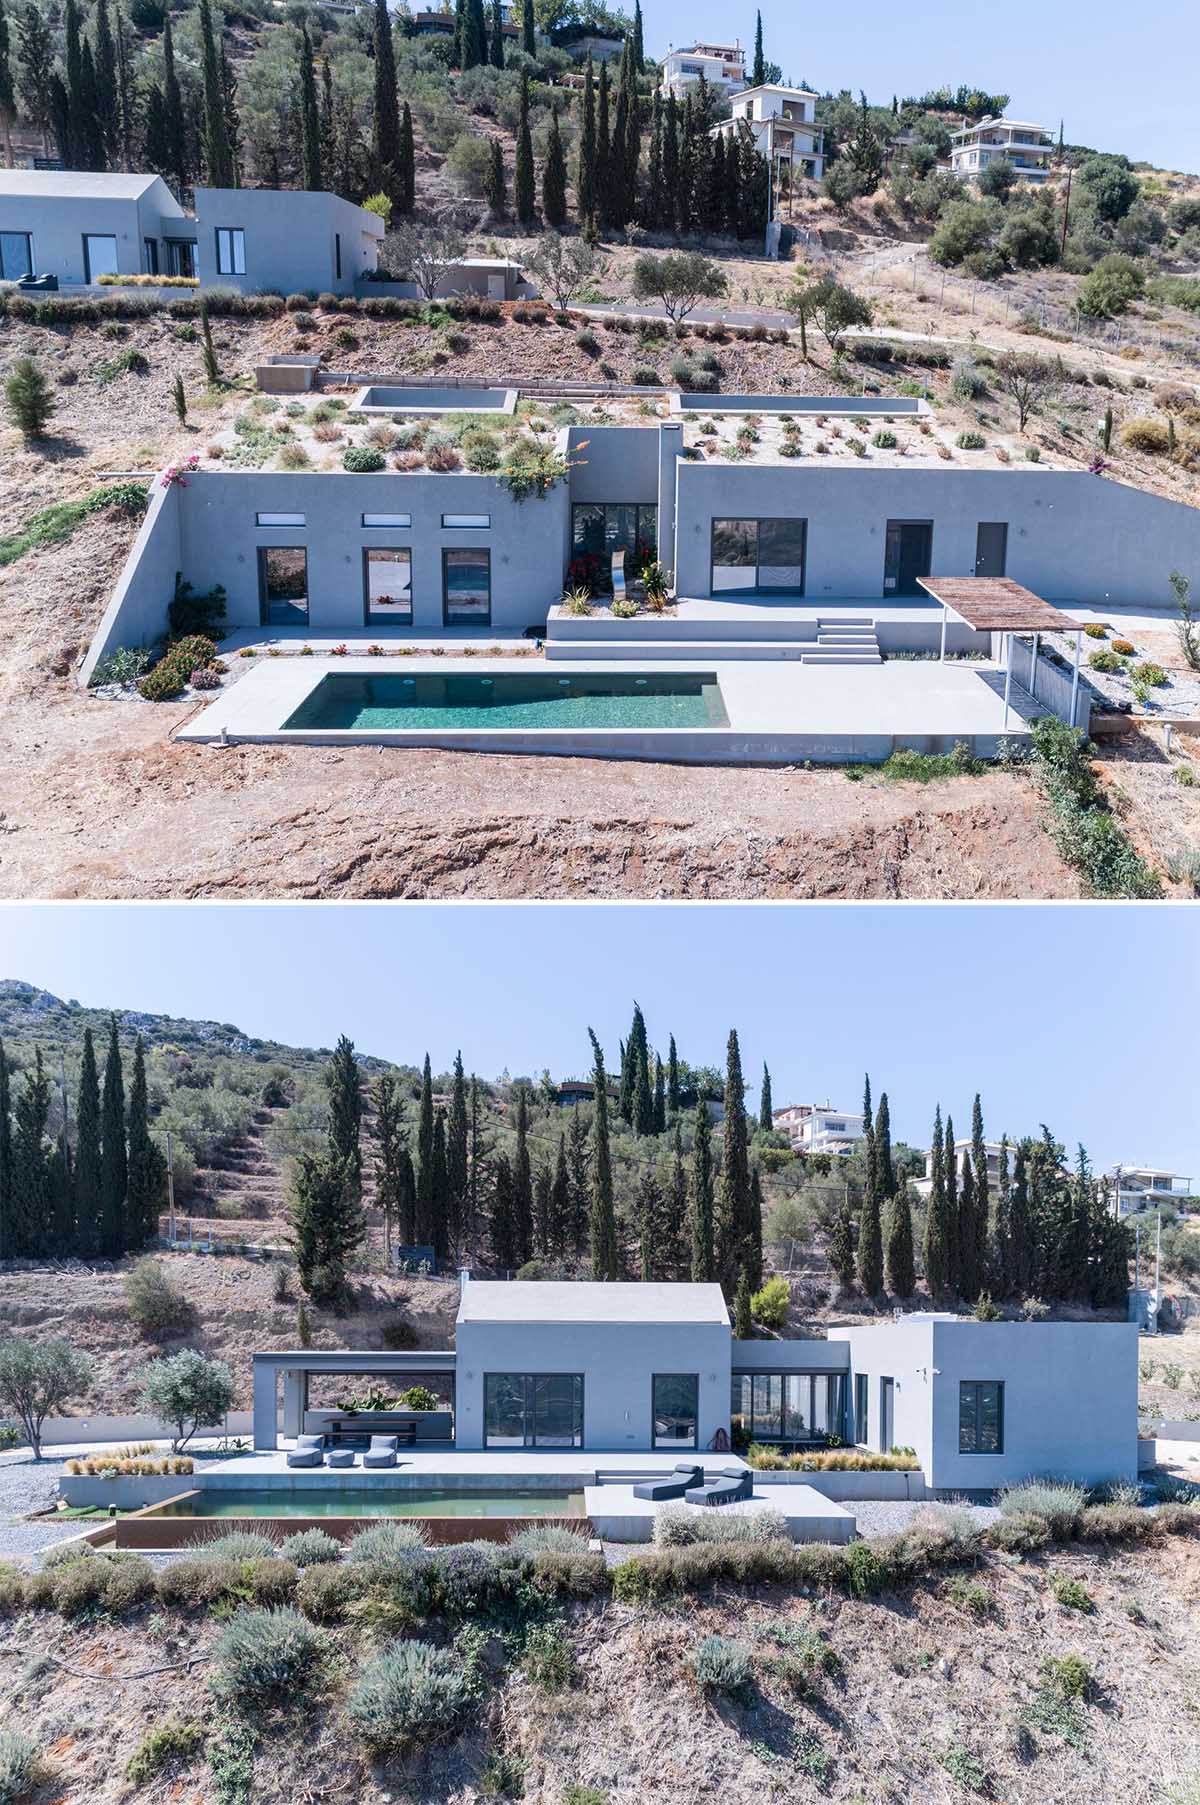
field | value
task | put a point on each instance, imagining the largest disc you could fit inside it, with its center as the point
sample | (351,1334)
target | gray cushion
(380,1443)
(306,1457)
(380,1457)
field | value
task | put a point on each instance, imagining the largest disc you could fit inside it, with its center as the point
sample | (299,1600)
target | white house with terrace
(819,1128)
(1027,149)
(1138,1188)
(722,67)
(782,123)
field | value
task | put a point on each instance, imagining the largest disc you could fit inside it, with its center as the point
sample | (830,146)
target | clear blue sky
(1081,1016)
(1121,79)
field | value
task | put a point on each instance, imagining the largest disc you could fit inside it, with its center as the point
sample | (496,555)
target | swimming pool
(383,398)
(373,1501)
(513,700)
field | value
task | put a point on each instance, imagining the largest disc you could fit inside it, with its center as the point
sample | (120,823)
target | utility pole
(170,1190)
(1062,249)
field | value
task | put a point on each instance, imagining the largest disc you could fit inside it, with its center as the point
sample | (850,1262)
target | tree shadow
(56,447)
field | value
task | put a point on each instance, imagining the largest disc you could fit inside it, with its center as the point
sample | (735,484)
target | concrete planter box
(127,1492)
(881,1485)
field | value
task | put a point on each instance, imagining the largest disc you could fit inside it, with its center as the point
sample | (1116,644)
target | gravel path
(27,1484)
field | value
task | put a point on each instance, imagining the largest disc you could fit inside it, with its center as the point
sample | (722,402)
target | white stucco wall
(58,224)
(289,239)
(617,1360)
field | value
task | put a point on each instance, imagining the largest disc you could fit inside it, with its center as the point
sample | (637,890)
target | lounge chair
(731,1486)
(382,1451)
(309,1451)
(340,1457)
(658,1490)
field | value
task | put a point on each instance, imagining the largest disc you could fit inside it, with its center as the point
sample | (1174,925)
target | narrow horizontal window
(460,520)
(281,519)
(387,519)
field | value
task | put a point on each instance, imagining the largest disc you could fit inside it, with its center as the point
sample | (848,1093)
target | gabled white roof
(74,184)
(554,1301)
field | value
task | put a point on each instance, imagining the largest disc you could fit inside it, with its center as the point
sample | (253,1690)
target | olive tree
(562,265)
(426,253)
(188,1392)
(1025,380)
(679,280)
(36,1380)
(833,307)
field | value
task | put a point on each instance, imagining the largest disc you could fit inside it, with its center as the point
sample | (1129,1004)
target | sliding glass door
(788,1407)
(283,585)
(533,1410)
(759,557)
(675,1409)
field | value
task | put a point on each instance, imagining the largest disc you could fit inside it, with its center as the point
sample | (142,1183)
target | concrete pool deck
(779,711)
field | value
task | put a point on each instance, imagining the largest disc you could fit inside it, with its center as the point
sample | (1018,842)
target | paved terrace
(449,1467)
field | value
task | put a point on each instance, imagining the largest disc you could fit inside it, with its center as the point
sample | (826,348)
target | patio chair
(382,1451)
(340,1457)
(659,1490)
(309,1451)
(731,1486)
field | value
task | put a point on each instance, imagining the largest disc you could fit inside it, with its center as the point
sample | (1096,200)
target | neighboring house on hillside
(923,1186)
(723,67)
(819,1128)
(626,1368)
(782,122)
(79,225)
(1028,148)
(440,21)
(259,239)
(1148,1188)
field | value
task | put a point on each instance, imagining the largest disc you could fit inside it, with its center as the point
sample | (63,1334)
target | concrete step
(839,655)
(689,651)
(847,620)
(847,638)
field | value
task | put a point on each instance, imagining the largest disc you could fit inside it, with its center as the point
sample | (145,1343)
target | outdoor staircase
(851,639)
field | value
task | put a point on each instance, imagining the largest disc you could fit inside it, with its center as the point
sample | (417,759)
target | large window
(981,1416)
(600,528)
(387,585)
(765,557)
(467,587)
(533,1410)
(16,255)
(862,1409)
(231,251)
(99,255)
(180,256)
(150,256)
(675,1409)
(788,1406)
(283,585)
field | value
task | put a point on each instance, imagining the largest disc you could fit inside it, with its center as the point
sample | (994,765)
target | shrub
(1072,1594)
(18,1765)
(443,457)
(971,441)
(188,1392)
(310,1548)
(241,1545)
(681,1525)
(12,1589)
(129,1584)
(1094,630)
(266,1657)
(1108,662)
(153,1302)
(29,398)
(1124,646)
(549,1660)
(189,613)
(122,666)
(569,1575)
(1146,434)
(324,1592)
(547,1538)
(163,1746)
(408,1694)
(362,460)
(966,382)
(721,1665)
(866,1569)
(587,341)
(197,1582)
(1109,288)
(385,1542)
(79,1586)
(1058,1502)
(771,1304)
(1069,1675)
(643,376)
(970,1596)
(1153,674)
(886,441)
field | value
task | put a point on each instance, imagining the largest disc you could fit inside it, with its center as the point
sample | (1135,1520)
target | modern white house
(922,1186)
(287,240)
(644,1369)
(782,123)
(723,67)
(1026,148)
(79,225)
(819,1128)
(1139,1188)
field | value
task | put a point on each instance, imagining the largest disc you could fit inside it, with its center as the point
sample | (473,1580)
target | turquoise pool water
(347,1501)
(516,699)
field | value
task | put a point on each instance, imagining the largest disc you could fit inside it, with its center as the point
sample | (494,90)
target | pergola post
(1075,674)
(1008,640)
(295,1401)
(1033,658)
(266,1422)
(942,653)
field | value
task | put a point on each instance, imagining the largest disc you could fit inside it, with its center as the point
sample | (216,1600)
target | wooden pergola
(998,605)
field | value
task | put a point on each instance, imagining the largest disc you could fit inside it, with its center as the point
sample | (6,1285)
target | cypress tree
(734,1226)
(639,42)
(672,1079)
(637,1097)
(901,1273)
(968,1279)
(327,1225)
(477,35)
(88,1182)
(759,74)
(732,210)
(704,1259)
(460,34)
(75,148)
(885,1170)
(107,86)
(766,1112)
(619,195)
(328,128)
(147,1165)
(406,175)
(841,1245)
(653,204)
(603,1228)
(6,1160)
(585,181)
(346,1108)
(386,141)
(523,1183)
(218,158)
(660,1097)
(670,161)
(176,163)
(983,1203)
(440,1211)
(1000,1257)
(494,189)
(685,213)
(560,1203)
(8,110)
(474,1159)
(675,1224)
(406,1196)
(311,124)
(497,36)
(504,1249)
(32,1194)
(523,195)
(543,1188)
(554,179)
(233,129)
(456,1154)
(711,201)
(650,1225)
(870,1242)
(424,1172)
(91,139)
(937,1243)
(950,1188)
(114,1164)
(577,1161)
(1109,1253)
(603,161)
(755,1239)
(389,1139)
(528,31)
(1020,1227)
(743,1321)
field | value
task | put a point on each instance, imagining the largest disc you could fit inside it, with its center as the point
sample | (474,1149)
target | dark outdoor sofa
(658,1490)
(731,1486)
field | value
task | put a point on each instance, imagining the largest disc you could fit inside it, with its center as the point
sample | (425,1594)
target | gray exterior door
(991,548)
(887,1394)
(908,555)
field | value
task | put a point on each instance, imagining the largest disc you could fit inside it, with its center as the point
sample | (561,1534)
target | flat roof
(998,605)
(584,1301)
(357,1360)
(74,184)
